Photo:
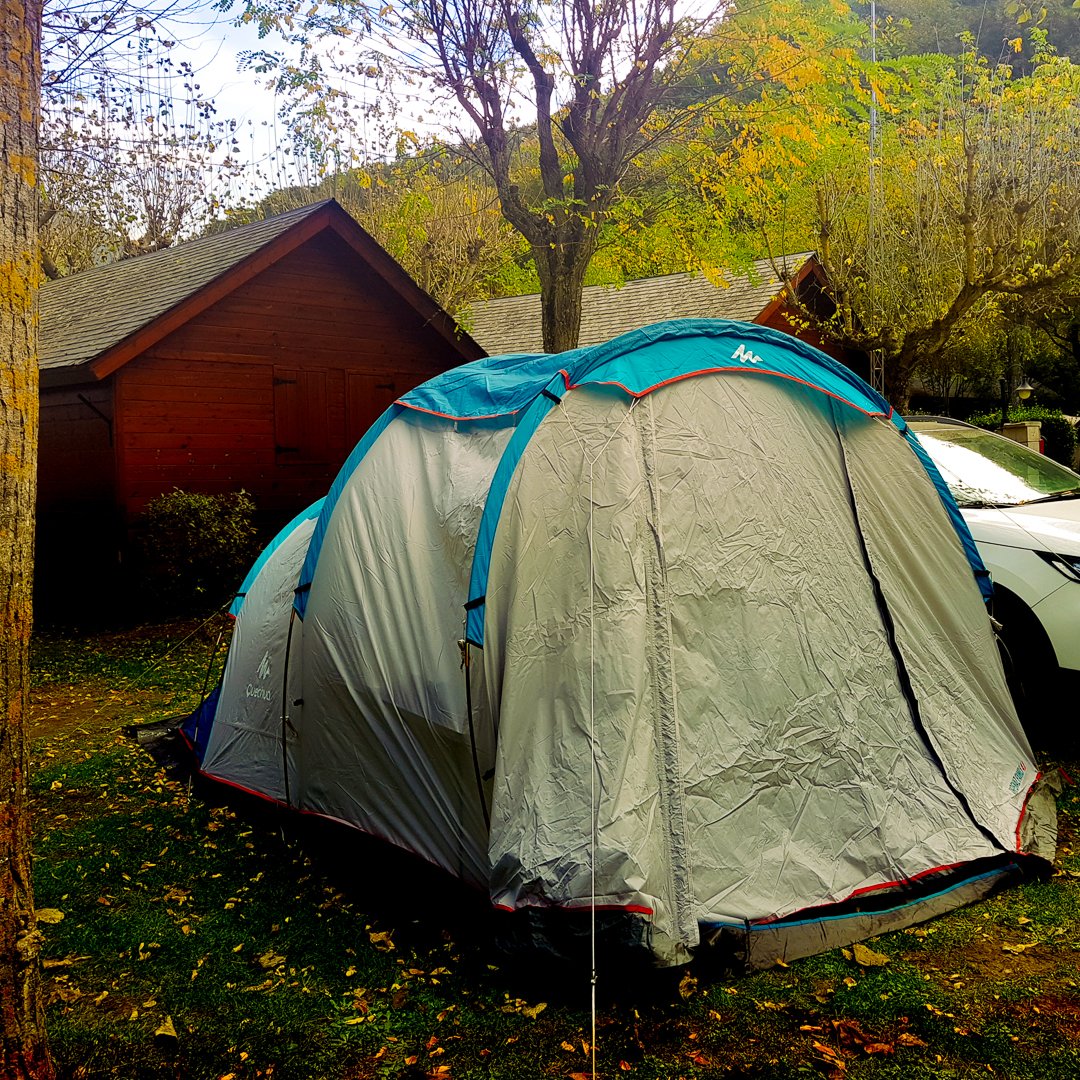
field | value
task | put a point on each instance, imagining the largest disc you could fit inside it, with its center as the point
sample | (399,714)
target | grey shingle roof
(86,314)
(512,323)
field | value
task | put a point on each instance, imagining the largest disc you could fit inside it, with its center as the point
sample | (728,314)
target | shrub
(1057,430)
(195,547)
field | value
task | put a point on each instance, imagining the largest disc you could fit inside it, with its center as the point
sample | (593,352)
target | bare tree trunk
(560,300)
(898,371)
(561,266)
(24,1050)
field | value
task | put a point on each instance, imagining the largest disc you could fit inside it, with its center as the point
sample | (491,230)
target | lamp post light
(1022,392)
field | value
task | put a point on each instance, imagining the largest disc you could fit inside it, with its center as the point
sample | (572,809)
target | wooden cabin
(253,358)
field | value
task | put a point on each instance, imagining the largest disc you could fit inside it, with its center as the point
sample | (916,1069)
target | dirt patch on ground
(989,959)
(91,705)
(1063,1011)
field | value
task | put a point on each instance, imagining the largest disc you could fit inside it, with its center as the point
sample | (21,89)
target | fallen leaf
(49,915)
(687,985)
(830,1055)
(165,1036)
(879,1048)
(865,957)
(938,1012)
(905,1038)
(1019,948)
(269,959)
(66,961)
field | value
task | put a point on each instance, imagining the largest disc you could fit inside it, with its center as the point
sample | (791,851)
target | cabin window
(301,423)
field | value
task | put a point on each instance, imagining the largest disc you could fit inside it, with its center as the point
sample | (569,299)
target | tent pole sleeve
(665,709)
(285,710)
(465,663)
(530,420)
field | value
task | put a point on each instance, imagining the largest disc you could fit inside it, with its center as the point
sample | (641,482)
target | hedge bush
(196,548)
(1057,430)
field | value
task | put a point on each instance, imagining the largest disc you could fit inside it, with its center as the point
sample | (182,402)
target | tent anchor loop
(466,666)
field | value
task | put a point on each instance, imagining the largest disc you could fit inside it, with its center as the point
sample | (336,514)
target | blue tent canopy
(521,389)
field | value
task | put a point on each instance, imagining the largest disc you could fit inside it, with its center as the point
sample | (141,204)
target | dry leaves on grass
(865,956)
(851,1041)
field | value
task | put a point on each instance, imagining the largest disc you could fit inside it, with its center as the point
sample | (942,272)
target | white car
(1023,510)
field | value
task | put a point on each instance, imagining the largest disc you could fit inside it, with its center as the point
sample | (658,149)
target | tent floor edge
(764,945)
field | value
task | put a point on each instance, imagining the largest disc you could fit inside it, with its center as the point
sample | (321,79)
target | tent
(684,626)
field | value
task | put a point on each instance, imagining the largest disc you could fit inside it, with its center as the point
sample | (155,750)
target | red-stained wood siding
(75,453)
(270,388)
(79,538)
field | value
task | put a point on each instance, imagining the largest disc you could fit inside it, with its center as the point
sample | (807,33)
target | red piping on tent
(1023,809)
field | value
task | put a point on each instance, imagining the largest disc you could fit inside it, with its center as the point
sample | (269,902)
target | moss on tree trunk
(24,1049)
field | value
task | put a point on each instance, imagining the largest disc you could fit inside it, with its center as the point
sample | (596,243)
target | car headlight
(1068,565)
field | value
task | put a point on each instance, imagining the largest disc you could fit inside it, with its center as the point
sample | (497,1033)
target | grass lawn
(191,936)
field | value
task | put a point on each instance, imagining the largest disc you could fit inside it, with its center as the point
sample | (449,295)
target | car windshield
(984,469)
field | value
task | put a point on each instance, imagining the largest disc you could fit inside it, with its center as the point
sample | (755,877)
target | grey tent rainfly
(730,672)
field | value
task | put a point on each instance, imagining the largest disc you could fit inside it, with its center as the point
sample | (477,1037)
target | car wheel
(1030,664)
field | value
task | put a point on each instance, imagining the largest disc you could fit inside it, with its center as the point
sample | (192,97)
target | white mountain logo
(264,666)
(743,354)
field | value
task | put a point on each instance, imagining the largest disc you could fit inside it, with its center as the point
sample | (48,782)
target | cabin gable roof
(95,321)
(511,324)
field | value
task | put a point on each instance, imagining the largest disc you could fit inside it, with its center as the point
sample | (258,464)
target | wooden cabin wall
(271,387)
(79,531)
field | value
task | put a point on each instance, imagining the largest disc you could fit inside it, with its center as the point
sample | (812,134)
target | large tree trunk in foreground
(24,1050)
